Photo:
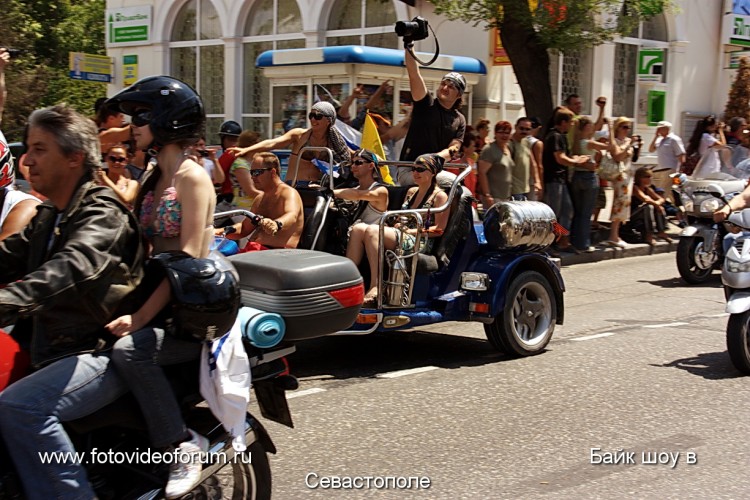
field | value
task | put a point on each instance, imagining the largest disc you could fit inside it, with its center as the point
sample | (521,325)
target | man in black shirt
(436,124)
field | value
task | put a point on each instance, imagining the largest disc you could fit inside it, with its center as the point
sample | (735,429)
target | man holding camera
(436,124)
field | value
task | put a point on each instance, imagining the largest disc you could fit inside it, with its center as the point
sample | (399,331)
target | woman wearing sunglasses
(175,209)
(426,194)
(321,133)
(117,176)
(621,147)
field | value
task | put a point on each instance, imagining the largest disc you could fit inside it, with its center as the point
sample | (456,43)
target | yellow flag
(371,141)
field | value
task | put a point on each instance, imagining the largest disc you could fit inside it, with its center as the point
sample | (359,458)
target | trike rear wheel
(526,324)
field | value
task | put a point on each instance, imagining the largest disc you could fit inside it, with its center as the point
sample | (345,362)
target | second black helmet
(231,128)
(177,111)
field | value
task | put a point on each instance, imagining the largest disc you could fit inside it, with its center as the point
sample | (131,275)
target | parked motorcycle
(315,294)
(735,275)
(699,250)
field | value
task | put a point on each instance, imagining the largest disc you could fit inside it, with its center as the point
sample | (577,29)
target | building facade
(673,67)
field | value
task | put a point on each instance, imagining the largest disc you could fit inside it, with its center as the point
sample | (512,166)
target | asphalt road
(639,367)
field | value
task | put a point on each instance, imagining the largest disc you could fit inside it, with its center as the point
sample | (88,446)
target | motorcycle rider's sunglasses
(141,117)
(316,116)
(258,171)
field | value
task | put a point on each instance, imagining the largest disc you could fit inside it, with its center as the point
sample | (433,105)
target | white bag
(225,381)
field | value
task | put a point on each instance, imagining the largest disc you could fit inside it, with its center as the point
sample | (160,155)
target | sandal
(370,300)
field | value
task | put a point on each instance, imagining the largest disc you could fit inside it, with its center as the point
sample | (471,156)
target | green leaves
(47,31)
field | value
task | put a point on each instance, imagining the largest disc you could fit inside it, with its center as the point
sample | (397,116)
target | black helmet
(205,295)
(176,109)
(230,127)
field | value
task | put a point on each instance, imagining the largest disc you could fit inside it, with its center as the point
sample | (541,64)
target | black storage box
(316,293)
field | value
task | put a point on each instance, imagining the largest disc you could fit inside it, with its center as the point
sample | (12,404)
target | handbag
(609,169)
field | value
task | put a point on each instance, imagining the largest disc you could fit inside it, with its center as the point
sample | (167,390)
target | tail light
(349,297)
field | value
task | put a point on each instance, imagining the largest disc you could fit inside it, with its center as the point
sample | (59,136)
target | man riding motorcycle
(67,272)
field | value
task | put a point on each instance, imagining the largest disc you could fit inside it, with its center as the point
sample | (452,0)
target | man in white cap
(437,125)
(670,153)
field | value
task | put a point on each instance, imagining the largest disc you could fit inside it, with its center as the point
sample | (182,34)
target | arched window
(573,71)
(362,22)
(270,24)
(196,54)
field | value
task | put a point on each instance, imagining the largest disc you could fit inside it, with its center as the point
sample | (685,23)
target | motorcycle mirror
(715,190)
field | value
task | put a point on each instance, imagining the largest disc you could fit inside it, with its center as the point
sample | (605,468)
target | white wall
(697,81)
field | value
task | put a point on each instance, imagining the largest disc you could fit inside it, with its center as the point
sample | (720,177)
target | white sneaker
(185,472)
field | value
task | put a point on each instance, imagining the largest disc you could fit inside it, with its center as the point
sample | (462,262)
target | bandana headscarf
(335,140)
(368,155)
(432,162)
(457,79)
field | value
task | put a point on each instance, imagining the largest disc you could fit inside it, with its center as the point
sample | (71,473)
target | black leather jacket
(67,273)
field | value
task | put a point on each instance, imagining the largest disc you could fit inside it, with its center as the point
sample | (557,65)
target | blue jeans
(583,190)
(557,197)
(31,412)
(138,358)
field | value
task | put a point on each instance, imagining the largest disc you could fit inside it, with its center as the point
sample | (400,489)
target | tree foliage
(46,31)
(738,103)
(530,29)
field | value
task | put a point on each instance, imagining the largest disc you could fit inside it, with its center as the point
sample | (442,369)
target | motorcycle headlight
(687,202)
(736,266)
(710,205)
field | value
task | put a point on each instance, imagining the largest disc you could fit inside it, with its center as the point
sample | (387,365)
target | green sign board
(131,25)
(651,65)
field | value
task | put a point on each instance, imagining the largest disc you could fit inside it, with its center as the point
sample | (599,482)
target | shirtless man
(321,133)
(279,208)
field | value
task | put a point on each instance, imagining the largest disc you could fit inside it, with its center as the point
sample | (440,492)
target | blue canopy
(359,54)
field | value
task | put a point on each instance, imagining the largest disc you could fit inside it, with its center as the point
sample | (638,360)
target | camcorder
(414,30)
(13,53)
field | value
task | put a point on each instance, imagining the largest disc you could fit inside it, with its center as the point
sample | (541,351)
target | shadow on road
(343,357)
(709,365)
(676,282)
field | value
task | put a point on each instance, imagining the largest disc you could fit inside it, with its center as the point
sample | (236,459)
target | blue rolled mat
(262,329)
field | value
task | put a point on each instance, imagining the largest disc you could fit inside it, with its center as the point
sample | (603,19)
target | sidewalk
(632,250)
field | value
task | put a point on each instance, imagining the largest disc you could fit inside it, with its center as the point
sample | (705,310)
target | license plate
(272,402)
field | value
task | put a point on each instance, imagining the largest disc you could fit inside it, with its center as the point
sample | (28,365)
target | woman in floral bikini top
(167,117)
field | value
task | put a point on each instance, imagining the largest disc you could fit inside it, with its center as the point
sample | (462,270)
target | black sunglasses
(258,171)
(421,170)
(360,162)
(141,118)
(116,159)
(316,116)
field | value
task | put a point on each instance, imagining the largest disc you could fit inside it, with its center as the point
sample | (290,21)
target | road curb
(609,253)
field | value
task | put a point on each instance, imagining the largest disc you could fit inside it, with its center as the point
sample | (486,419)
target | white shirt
(12,198)
(668,150)
(710,162)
